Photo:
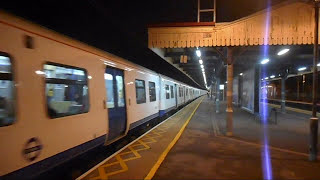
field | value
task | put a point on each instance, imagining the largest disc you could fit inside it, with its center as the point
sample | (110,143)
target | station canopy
(289,24)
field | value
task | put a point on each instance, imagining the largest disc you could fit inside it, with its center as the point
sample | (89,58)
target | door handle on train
(104,104)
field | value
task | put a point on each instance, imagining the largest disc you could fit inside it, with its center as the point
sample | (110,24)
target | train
(60,97)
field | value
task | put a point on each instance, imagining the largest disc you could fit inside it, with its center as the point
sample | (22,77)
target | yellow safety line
(117,154)
(270,147)
(167,150)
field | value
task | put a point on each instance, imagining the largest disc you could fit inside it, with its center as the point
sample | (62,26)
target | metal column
(229,92)
(283,94)
(314,119)
(218,95)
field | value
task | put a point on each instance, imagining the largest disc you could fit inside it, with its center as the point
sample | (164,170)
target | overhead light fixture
(221,86)
(266,78)
(198,52)
(265,61)
(201,66)
(318,64)
(226,82)
(283,51)
(202,70)
(302,69)
(200,61)
(241,74)
(272,76)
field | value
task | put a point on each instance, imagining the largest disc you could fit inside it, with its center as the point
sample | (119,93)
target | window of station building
(171,88)
(167,92)
(7,98)
(152,91)
(140,91)
(66,90)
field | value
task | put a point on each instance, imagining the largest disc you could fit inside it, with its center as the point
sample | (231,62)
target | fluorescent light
(265,61)
(266,78)
(272,76)
(318,64)
(283,51)
(201,66)
(302,69)
(202,70)
(221,87)
(198,52)
(200,61)
(241,74)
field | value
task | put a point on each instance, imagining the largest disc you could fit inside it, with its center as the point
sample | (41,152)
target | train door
(176,93)
(116,104)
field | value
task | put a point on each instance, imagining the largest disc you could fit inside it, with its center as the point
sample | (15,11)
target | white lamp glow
(198,52)
(283,51)
(265,61)
(302,69)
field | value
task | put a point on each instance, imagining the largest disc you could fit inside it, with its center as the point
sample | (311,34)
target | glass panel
(7,112)
(64,95)
(152,91)
(5,64)
(167,92)
(140,91)
(57,72)
(119,80)
(109,90)
(172,95)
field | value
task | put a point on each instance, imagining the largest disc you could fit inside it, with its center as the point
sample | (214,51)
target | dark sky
(119,26)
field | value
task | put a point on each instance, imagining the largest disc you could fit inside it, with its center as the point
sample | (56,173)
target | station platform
(191,145)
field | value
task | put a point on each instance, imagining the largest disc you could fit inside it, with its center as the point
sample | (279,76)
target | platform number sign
(32,149)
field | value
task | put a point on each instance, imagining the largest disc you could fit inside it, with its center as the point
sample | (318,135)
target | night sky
(120,27)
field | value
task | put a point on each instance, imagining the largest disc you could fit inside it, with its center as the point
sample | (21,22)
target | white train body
(45,125)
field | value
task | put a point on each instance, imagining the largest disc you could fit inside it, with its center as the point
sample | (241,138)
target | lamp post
(314,119)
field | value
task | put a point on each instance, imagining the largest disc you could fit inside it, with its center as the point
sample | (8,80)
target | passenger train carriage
(60,97)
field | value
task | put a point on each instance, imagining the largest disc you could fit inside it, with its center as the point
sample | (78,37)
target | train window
(140,91)
(119,80)
(66,90)
(7,115)
(187,92)
(109,88)
(179,91)
(171,88)
(152,91)
(167,92)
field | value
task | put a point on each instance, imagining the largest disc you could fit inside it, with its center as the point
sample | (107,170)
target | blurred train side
(65,137)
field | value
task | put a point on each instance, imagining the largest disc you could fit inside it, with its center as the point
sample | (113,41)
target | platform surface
(202,151)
